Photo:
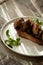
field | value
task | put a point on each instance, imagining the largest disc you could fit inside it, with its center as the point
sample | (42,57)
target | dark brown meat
(29,37)
(28,22)
(29,30)
(18,22)
(35,28)
(26,25)
(42,35)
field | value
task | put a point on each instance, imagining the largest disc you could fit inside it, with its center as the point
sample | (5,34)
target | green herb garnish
(12,42)
(37,21)
(7,33)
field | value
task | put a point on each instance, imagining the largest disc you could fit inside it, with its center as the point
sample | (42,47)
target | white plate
(27,47)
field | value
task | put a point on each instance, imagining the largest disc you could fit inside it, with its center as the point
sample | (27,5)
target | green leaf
(7,33)
(37,21)
(40,23)
(6,41)
(12,42)
(18,39)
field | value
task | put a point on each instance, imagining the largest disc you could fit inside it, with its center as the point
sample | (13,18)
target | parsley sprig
(37,21)
(12,42)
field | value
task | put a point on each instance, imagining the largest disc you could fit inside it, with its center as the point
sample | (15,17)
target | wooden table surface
(12,9)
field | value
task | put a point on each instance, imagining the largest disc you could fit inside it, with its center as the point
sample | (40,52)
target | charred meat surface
(29,30)
(18,23)
(35,28)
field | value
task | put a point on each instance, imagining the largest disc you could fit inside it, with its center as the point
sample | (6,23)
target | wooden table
(12,9)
